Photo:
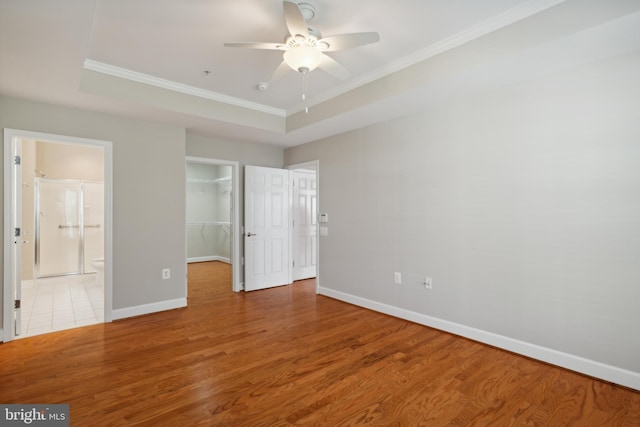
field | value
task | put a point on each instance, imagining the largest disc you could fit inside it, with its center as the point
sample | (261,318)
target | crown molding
(100,67)
(502,20)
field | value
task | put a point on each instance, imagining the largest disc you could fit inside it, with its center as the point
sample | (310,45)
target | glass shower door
(93,220)
(58,239)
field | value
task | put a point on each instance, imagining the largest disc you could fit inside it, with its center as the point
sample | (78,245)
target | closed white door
(304,224)
(266,219)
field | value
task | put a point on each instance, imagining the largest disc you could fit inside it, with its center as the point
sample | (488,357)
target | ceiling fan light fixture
(303,57)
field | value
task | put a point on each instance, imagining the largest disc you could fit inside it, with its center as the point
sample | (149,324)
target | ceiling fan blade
(348,41)
(294,19)
(258,45)
(282,69)
(332,67)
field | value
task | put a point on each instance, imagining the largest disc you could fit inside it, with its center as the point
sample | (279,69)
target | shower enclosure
(69,225)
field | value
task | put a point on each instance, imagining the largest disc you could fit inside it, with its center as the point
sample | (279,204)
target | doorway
(57,233)
(212,228)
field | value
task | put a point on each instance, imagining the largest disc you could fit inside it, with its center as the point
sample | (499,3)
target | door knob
(250,234)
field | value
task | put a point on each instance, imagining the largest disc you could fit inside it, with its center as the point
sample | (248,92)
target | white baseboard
(569,361)
(138,310)
(209,258)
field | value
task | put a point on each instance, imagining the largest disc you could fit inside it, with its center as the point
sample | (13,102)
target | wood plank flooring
(286,356)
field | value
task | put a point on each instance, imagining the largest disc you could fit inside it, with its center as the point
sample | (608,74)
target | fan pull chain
(304,91)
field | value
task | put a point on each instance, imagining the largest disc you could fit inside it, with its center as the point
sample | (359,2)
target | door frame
(10,137)
(312,164)
(235,217)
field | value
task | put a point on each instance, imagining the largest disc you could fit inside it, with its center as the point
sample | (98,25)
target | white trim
(569,361)
(147,79)
(7,295)
(502,20)
(108,232)
(154,307)
(9,135)
(235,226)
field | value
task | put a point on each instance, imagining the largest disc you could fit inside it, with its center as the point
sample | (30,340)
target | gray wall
(522,204)
(148,194)
(246,153)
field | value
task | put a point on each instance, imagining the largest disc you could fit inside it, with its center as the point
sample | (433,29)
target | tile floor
(57,303)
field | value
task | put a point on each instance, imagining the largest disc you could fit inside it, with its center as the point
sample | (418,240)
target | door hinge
(17,160)
(16,232)
(294,262)
(17,304)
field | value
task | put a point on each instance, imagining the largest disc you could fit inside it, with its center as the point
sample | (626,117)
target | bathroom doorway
(61,206)
(212,214)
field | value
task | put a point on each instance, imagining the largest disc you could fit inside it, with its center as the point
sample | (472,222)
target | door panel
(266,237)
(305,223)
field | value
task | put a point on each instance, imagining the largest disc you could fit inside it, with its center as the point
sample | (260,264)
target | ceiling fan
(304,48)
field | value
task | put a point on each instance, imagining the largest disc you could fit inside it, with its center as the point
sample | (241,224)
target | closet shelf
(222,180)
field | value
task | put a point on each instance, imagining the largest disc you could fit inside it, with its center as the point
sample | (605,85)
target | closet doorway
(212,214)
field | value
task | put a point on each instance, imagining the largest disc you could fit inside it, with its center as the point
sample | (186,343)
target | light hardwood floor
(286,356)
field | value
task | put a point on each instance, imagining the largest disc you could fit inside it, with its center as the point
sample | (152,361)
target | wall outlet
(397,277)
(428,282)
(166,273)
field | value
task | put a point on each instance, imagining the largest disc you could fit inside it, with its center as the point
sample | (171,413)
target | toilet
(98,264)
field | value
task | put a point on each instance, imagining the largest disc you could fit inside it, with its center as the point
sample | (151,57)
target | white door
(16,206)
(266,226)
(304,224)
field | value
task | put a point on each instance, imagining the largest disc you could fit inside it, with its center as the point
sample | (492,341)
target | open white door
(266,226)
(13,240)
(18,239)
(304,224)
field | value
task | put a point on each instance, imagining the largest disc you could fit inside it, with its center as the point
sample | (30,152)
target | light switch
(324,231)
(323,217)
